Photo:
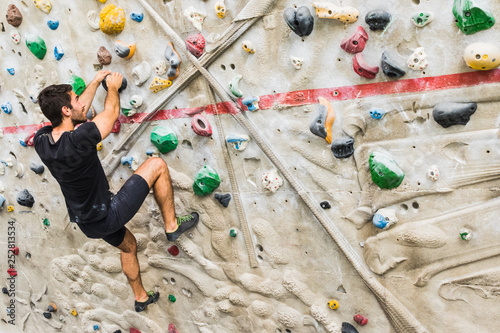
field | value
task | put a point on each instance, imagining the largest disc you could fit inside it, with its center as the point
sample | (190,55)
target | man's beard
(77,121)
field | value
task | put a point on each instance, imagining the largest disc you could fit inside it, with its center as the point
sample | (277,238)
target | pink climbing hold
(171,329)
(173,250)
(12,272)
(29,139)
(362,321)
(201,126)
(362,68)
(134,330)
(15,250)
(356,43)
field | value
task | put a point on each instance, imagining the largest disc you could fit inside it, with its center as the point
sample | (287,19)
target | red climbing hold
(12,272)
(171,329)
(195,44)
(29,139)
(355,43)
(173,250)
(15,250)
(134,330)
(116,127)
(201,126)
(362,321)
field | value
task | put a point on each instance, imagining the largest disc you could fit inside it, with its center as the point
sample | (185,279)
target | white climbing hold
(272,180)
(141,73)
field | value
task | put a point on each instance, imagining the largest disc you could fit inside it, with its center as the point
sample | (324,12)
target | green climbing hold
(171,298)
(46,222)
(471,18)
(206,181)
(78,84)
(233,233)
(126,111)
(36,45)
(385,172)
(164,139)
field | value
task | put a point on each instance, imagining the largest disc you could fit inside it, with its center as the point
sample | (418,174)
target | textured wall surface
(282,268)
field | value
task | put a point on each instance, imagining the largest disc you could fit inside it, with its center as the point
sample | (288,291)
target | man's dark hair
(51,101)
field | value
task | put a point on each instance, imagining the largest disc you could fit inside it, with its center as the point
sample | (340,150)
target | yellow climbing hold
(10,209)
(73,312)
(112,19)
(333,304)
(99,146)
(159,84)
(44,5)
(102,1)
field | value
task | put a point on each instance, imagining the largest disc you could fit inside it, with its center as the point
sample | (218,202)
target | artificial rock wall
(440,259)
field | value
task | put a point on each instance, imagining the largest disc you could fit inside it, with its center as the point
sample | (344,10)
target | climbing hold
(482,56)
(160,67)
(141,73)
(124,50)
(93,20)
(102,1)
(37,168)
(389,66)
(206,181)
(14,16)
(223,199)
(2,200)
(252,103)
(137,16)
(377,19)
(164,139)
(356,43)
(46,222)
(323,122)
(171,328)
(472,18)
(362,321)
(296,62)
(465,234)
(247,45)
(98,146)
(272,180)
(362,68)
(234,86)
(12,272)
(377,113)
(220,8)
(96,327)
(24,198)
(132,330)
(421,19)
(53,24)
(112,19)
(78,84)
(239,142)
(159,84)
(200,125)
(330,11)
(73,312)
(384,218)
(325,205)
(52,307)
(348,328)
(15,36)
(36,45)
(384,170)
(136,101)
(11,71)
(103,56)
(233,233)
(333,304)
(175,61)
(58,52)
(15,250)
(171,298)
(128,111)
(433,173)
(122,87)
(449,114)
(47,315)
(44,5)
(152,152)
(300,20)
(7,107)
(5,290)
(195,44)
(130,162)
(10,209)
(418,59)
(173,250)
(343,147)
(195,17)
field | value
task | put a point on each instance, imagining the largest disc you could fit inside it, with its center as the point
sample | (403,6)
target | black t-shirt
(73,162)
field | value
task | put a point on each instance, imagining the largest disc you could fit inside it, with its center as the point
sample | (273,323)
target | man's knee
(157,164)
(129,244)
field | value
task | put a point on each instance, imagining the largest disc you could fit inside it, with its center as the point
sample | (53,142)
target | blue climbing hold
(21,141)
(53,24)
(252,103)
(2,200)
(239,142)
(11,71)
(137,16)
(96,327)
(377,113)
(58,52)
(7,108)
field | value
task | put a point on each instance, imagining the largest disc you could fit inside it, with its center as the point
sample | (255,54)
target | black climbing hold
(449,114)
(348,328)
(317,127)
(38,169)
(122,87)
(47,315)
(117,331)
(51,308)
(300,20)
(377,19)
(325,205)
(343,147)
(389,66)
(5,290)
(223,198)
(24,198)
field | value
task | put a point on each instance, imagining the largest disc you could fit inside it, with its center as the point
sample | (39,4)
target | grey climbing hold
(5,291)
(343,147)
(317,127)
(38,169)
(348,328)
(122,87)
(389,66)
(377,19)
(47,315)
(300,20)
(449,114)
(223,198)
(175,61)
(24,198)
(325,205)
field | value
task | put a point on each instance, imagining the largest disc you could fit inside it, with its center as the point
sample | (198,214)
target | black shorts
(122,208)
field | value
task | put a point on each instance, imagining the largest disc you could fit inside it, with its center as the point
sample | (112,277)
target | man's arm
(88,95)
(106,119)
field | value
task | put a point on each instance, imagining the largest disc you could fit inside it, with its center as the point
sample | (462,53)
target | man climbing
(70,153)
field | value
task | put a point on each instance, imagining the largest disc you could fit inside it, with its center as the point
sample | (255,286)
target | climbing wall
(360,150)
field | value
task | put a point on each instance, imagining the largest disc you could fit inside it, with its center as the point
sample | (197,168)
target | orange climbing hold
(330,118)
